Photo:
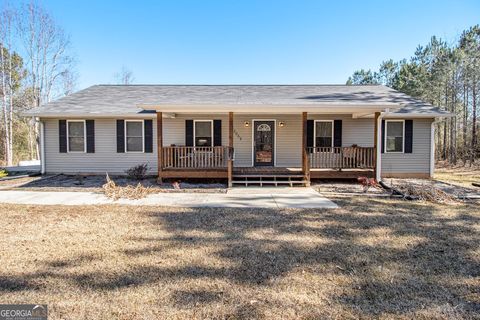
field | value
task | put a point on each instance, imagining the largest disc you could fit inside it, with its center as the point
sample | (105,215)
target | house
(243,133)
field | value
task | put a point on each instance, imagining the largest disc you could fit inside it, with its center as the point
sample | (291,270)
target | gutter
(145,115)
(432,147)
(42,147)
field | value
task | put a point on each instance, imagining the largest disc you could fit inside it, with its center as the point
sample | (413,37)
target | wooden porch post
(375,144)
(305,165)
(230,151)
(159,145)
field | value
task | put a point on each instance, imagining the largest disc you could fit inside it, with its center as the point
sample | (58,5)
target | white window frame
(386,135)
(315,132)
(84,136)
(126,136)
(195,133)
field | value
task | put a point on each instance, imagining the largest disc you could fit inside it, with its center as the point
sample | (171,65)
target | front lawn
(463,176)
(373,258)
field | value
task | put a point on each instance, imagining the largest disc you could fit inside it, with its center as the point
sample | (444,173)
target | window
(76,135)
(394,137)
(323,133)
(134,135)
(203,133)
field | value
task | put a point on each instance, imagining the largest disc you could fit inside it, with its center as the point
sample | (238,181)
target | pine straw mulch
(115,192)
(427,192)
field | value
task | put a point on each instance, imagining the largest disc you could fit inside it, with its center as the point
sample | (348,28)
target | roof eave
(268,108)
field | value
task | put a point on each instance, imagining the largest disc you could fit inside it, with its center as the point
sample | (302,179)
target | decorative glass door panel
(264,143)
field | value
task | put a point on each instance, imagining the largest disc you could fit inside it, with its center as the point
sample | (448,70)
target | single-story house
(243,133)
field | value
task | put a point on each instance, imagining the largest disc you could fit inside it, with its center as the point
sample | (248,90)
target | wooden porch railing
(196,157)
(342,158)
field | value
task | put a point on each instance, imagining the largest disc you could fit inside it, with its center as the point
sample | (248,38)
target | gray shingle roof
(128,99)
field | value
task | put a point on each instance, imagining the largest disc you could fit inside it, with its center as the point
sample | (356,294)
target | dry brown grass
(461,176)
(370,259)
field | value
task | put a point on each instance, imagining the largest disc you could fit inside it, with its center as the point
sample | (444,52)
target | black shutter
(408,136)
(120,136)
(217,133)
(383,136)
(90,124)
(148,134)
(189,133)
(337,133)
(310,124)
(62,135)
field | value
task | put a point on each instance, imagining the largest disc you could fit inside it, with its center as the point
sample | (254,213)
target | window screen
(76,136)
(323,134)
(203,133)
(134,135)
(394,140)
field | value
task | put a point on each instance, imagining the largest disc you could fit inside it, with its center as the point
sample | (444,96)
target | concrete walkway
(234,198)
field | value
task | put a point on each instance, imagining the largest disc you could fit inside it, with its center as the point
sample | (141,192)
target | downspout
(432,147)
(42,147)
(378,164)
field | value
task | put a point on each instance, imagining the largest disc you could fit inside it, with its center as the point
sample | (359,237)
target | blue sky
(258,42)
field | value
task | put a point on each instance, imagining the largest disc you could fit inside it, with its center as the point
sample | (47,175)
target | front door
(263,143)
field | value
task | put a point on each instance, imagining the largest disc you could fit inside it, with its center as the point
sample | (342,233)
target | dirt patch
(344,186)
(9,183)
(349,187)
(95,183)
(450,188)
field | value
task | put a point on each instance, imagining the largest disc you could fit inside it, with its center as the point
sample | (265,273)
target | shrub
(137,172)
(3,173)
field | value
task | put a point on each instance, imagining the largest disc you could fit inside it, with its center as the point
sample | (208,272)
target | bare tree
(48,62)
(125,76)
(6,30)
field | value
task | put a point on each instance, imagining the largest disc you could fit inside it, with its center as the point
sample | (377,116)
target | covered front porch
(292,152)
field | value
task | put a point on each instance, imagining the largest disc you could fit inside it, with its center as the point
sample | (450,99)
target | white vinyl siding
(416,162)
(361,131)
(105,159)
(288,143)
(288,146)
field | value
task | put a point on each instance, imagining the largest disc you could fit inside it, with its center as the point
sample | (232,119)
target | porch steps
(269,180)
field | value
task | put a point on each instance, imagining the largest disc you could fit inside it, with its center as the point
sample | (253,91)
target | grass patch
(372,258)
(461,176)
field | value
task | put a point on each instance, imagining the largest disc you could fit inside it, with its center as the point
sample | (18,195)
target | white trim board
(126,136)
(315,132)
(195,131)
(84,136)
(386,135)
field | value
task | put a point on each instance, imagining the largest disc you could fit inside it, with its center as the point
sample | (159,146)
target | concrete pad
(52,198)
(288,197)
(271,190)
(234,198)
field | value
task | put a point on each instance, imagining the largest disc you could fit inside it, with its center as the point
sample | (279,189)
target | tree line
(36,66)
(445,75)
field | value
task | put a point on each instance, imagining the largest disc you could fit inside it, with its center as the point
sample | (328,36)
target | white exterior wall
(287,150)
(105,159)
(418,161)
